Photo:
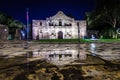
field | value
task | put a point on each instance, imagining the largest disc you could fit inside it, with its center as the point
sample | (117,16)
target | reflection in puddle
(61,62)
(92,46)
(60,57)
(93,50)
(105,51)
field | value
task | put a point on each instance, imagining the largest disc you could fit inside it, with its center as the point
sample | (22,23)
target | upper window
(40,23)
(50,24)
(60,23)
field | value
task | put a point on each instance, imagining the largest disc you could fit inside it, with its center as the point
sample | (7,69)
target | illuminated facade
(59,26)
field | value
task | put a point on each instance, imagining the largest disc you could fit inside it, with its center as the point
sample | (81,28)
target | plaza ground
(14,59)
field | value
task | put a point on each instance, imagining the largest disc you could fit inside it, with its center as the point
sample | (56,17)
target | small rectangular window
(40,23)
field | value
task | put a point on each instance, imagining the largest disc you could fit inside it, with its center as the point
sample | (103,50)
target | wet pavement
(84,61)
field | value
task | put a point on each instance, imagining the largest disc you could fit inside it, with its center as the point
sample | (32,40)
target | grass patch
(75,40)
(58,40)
(102,40)
(109,40)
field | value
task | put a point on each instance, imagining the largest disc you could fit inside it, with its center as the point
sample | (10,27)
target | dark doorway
(60,35)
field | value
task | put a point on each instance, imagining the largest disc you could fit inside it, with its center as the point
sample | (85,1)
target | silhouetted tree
(13,25)
(105,16)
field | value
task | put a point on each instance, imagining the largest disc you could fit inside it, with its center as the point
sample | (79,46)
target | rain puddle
(62,62)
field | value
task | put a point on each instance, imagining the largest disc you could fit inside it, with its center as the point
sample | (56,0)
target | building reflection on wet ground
(92,61)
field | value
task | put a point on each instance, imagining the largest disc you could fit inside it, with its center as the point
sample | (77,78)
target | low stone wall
(4,32)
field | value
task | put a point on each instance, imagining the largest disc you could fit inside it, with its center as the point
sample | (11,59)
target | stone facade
(4,32)
(59,26)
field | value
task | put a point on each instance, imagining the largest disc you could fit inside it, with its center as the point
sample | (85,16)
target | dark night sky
(40,9)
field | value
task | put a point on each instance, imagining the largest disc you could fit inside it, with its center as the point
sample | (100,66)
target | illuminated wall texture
(58,26)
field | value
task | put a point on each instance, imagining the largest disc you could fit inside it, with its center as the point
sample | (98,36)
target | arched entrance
(60,35)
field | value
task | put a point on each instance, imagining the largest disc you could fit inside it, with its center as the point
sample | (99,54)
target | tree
(14,28)
(106,16)
(109,12)
(13,25)
(111,16)
(3,18)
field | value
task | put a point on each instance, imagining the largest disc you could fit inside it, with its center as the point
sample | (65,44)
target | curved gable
(60,15)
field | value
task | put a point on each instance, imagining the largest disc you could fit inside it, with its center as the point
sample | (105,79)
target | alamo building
(59,26)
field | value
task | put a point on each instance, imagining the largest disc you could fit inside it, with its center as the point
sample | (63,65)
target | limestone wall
(58,26)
